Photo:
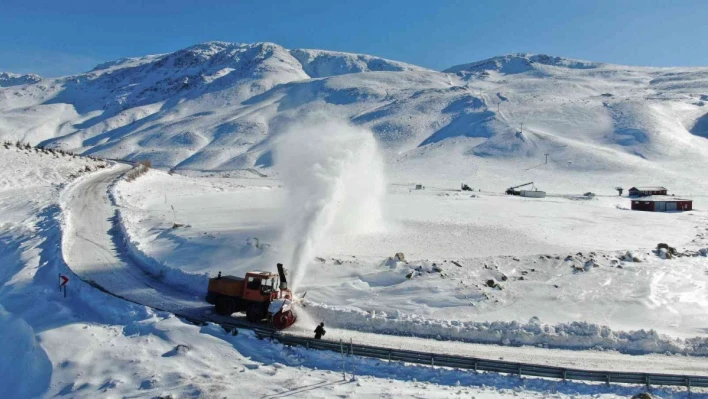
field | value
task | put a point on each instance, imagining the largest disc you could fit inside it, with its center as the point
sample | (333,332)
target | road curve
(94,250)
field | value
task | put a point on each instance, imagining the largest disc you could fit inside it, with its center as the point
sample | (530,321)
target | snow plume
(334,181)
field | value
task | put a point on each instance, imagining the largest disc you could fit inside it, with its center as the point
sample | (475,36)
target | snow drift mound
(24,365)
(574,335)
(700,128)
(188,282)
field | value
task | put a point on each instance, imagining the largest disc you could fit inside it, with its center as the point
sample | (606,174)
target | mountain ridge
(8,79)
(219,106)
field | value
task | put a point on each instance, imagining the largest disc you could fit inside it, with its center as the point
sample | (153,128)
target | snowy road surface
(92,247)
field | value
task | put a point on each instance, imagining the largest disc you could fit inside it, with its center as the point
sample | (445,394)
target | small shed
(532,193)
(661,203)
(646,191)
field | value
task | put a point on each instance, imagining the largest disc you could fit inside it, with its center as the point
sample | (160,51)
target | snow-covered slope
(13,79)
(218,106)
(320,63)
(521,62)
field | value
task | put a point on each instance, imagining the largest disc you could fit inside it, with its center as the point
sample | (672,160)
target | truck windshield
(267,286)
(253,283)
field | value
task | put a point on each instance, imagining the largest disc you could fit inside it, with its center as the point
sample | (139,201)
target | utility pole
(546,157)
(522,127)
(341,349)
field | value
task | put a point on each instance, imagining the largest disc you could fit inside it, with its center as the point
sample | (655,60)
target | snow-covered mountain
(522,62)
(320,63)
(218,106)
(13,79)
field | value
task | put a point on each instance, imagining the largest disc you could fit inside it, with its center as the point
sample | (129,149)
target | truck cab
(260,286)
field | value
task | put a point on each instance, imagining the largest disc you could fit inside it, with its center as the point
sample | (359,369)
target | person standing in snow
(320,331)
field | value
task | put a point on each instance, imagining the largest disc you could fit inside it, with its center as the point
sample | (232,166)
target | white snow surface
(561,262)
(91,344)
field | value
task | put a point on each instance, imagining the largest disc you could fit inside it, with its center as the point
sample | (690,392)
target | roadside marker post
(63,281)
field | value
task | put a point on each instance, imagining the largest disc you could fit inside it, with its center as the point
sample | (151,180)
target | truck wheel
(233,305)
(223,306)
(255,312)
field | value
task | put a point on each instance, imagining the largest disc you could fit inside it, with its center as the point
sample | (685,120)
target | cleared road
(93,248)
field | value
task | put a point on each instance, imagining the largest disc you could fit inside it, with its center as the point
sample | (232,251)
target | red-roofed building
(661,203)
(646,191)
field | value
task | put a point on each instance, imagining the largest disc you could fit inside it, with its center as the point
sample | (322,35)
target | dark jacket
(319,332)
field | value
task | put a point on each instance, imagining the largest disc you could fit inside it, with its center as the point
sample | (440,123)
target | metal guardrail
(496,366)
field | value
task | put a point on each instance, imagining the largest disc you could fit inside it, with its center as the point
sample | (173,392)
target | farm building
(646,191)
(661,203)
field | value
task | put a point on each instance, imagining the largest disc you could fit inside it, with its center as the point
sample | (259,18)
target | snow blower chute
(257,294)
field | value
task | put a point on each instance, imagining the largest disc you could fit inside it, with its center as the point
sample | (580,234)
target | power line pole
(341,348)
(522,127)
(546,157)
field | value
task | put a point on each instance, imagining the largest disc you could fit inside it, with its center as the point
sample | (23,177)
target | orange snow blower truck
(257,294)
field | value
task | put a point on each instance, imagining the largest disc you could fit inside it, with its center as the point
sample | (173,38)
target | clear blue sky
(59,37)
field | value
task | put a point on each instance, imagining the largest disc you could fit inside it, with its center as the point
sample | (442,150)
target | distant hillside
(13,79)
(217,106)
(321,64)
(522,62)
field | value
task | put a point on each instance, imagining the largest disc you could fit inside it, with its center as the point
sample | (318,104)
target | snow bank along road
(93,248)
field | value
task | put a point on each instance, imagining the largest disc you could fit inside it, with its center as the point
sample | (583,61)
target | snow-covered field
(233,225)
(92,345)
